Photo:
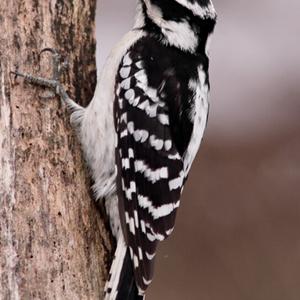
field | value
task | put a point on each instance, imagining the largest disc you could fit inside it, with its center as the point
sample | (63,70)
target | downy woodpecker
(142,130)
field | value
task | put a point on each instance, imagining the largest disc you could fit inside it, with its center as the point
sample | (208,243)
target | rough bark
(53,243)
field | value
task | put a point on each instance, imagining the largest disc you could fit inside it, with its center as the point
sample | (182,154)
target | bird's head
(185,24)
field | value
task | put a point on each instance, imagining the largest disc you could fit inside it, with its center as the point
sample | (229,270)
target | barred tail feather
(121,284)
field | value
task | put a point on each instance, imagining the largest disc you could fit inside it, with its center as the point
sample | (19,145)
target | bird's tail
(121,284)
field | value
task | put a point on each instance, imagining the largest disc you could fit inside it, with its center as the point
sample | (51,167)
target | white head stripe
(198,10)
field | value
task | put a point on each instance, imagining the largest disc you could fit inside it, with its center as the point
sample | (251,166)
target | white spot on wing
(139,64)
(168,145)
(136,219)
(130,153)
(125,84)
(123,117)
(140,253)
(174,156)
(152,94)
(124,72)
(127,217)
(144,105)
(157,144)
(125,163)
(141,77)
(151,110)
(129,191)
(118,90)
(124,133)
(131,226)
(135,261)
(131,252)
(129,95)
(163,119)
(141,135)
(164,172)
(176,183)
(135,102)
(130,127)
(127,61)
(120,100)
(143,226)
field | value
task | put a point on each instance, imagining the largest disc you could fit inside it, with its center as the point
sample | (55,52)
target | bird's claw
(58,67)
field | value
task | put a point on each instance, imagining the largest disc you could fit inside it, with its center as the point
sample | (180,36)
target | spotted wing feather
(150,168)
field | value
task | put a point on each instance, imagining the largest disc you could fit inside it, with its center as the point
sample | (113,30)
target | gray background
(237,235)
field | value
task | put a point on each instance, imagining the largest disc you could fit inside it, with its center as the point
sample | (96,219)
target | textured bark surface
(53,243)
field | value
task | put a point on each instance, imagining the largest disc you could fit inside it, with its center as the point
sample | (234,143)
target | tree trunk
(53,243)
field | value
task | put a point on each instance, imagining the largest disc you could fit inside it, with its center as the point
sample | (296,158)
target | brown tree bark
(53,243)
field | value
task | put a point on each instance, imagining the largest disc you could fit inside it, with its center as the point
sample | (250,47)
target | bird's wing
(150,168)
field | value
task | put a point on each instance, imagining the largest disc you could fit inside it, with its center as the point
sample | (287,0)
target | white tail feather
(111,287)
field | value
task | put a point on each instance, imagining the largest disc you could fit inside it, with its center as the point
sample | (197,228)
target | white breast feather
(97,133)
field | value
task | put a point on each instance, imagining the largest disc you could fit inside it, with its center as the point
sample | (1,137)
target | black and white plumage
(160,113)
(153,121)
(142,130)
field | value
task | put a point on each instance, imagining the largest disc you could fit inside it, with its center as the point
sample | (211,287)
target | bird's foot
(54,84)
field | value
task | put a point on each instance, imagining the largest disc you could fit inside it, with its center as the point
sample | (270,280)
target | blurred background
(238,231)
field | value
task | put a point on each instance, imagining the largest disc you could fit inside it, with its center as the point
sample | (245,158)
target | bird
(142,130)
